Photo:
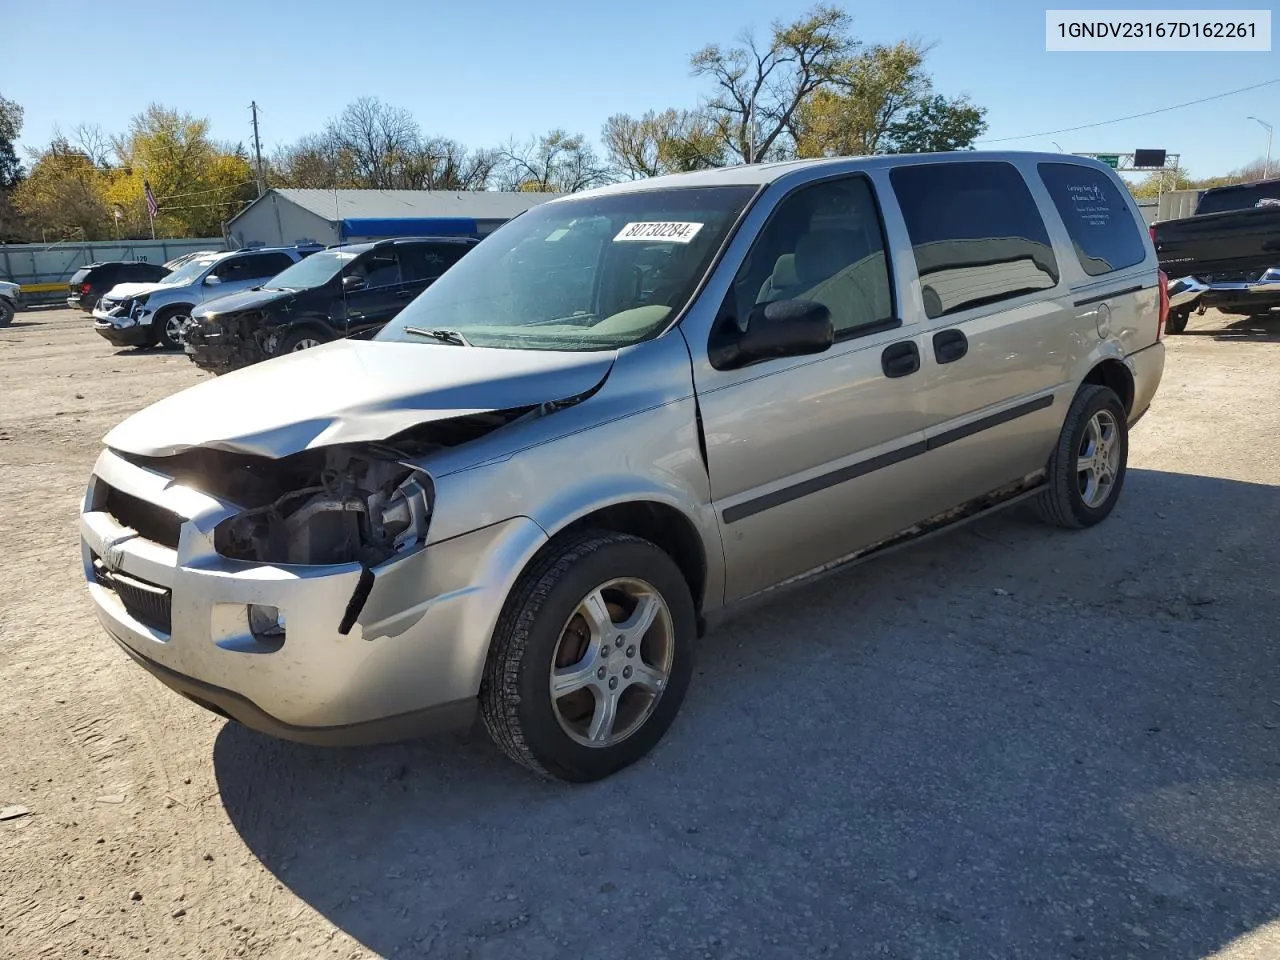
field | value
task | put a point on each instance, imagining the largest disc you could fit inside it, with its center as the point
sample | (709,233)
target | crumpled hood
(244,300)
(350,391)
(9,289)
(127,291)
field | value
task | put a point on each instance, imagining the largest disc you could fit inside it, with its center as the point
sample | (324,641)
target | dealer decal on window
(672,231)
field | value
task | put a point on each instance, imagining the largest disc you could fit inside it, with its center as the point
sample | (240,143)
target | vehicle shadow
(1011,741)
(1250,329)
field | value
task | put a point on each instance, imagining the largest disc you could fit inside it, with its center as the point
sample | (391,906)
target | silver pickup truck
(525,497)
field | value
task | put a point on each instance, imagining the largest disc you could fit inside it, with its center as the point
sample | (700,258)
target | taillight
(85,287)
(1152,228)
(1164,305)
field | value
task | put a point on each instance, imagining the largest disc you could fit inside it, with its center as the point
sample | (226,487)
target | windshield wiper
(444,336)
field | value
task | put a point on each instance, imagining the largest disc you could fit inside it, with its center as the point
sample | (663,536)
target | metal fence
(43,269)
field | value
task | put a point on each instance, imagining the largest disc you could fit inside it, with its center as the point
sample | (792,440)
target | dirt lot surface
(1009,742)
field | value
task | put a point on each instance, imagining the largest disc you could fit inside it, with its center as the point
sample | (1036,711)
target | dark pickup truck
(1225,255)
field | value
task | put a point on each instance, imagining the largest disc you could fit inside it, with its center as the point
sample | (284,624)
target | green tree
(10,127)
(198,183)
(63,197)
(937,124)
(883,101)
(758,89)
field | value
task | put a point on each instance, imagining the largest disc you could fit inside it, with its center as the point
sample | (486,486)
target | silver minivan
(624,410)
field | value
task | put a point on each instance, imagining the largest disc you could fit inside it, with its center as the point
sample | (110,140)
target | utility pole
(257,147)
(1266,166)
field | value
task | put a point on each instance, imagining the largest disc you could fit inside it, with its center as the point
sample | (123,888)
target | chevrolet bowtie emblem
(113,550)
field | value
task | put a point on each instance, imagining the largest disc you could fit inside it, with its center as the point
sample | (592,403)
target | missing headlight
(357,509)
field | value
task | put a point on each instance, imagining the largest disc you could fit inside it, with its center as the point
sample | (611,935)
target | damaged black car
(339,292)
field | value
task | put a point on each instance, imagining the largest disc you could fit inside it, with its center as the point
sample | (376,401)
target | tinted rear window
(1102,229)
(80,275)
(976,233)
(1244,197)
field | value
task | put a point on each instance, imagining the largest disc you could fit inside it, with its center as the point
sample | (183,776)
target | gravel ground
(1009,742)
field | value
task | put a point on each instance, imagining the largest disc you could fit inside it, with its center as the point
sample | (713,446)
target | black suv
(91,281)
(335,293)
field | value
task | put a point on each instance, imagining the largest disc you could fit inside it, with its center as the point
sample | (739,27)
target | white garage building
(283,217)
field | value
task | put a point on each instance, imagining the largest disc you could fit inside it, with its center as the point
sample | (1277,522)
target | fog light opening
(266,622)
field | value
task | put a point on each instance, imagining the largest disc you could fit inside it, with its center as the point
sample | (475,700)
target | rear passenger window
(1097,218)
(976,232)
(427,261)
(823,243)
(267,264)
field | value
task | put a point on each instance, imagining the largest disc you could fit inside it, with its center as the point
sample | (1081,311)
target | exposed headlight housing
(364,512)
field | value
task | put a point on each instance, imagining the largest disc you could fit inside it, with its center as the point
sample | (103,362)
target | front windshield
(595,273)
(189,272)
(313,271)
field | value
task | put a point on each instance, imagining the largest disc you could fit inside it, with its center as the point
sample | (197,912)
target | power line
(197,193)
(1135,116)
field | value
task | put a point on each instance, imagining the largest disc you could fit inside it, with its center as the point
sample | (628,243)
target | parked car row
(229,309)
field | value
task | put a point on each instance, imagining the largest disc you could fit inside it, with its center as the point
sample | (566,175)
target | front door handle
(949,346)
(900,359)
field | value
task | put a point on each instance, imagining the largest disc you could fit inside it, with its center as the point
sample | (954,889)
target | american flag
(152,207)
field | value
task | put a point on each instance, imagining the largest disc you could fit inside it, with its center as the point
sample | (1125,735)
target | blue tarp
(409,227)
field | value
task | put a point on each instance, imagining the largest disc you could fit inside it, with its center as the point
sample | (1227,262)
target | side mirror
(784,328)
(353,283)
(212,280)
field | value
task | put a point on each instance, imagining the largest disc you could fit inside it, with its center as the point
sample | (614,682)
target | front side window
(822,243)
(589,273)
(315,271)
(1102,229)
(976,233)
(377,268)
(266,264)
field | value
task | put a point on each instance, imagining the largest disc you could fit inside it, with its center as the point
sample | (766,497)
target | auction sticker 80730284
(672,231)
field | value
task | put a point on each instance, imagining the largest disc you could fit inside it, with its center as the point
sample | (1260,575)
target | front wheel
(6,312)
(168,327)
(301,340)
(1087,468)
(591,657)
(1177,320)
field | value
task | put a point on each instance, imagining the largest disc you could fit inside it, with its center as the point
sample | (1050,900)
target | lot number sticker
(672,231)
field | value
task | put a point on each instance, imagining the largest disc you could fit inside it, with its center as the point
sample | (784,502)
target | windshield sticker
(671,231)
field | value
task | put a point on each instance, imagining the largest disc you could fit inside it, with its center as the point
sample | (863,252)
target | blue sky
(489,69)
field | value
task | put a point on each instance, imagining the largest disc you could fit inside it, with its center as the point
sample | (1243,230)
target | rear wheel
(1087,468)
(591,657)
(168,326)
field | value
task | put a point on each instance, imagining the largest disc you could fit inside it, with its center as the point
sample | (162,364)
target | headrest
(821,253)
(784,271)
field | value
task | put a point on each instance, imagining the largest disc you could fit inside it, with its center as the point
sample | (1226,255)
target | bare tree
(312,162)
(444,164)
(672,141)
(94,142)
(373,141)
(760,88)
(555,162)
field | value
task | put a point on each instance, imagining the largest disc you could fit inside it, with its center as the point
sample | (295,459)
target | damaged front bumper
(219,348)
(418,625)
(122,330)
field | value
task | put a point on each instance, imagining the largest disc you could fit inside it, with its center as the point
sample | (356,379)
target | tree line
(808,88)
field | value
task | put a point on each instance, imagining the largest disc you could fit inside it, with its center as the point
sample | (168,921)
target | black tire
(6,312)
(1063,502)
(515,694)
(1177,321)
(300,339)
(163,332)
